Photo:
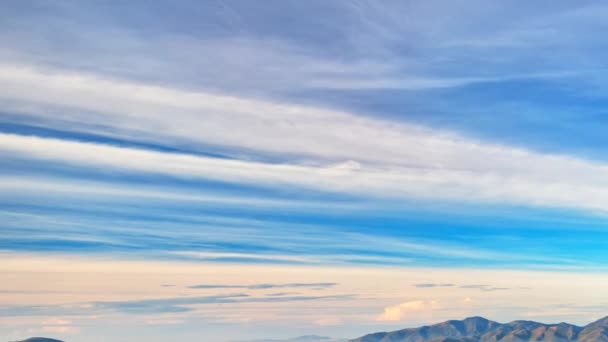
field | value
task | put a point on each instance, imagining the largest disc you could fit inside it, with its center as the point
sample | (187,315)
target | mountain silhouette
(472,329)
(479,329)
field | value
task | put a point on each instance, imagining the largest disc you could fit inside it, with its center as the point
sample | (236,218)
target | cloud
(540,186)
(429,285)
(154,306)
(100,189)
(404,160)
(148,306)
(157,89)
(403,310)
(199,117)
(482,287)
(474,286)
(485,288)
(263,286)
(426,83)
(174,232)
(182,58)
(258,257)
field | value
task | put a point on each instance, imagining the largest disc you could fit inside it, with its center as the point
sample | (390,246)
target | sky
(237,170)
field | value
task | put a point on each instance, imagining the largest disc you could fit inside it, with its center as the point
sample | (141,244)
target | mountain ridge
(479,329)
(471,329)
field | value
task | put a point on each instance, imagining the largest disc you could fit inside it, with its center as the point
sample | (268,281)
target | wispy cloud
(517,176)
(155,306)
(481,287)
(263,286)
(219,136)
(430,285)
(485,288)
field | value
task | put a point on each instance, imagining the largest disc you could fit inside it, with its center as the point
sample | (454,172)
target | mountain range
(472,329)
(479,329)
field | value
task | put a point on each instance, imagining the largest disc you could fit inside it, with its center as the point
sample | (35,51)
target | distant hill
(40,339)
(479,329)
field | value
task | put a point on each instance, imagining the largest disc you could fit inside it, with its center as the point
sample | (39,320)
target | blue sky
(253,138)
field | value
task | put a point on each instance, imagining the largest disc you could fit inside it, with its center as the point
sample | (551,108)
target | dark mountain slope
(479,329)
(595,332)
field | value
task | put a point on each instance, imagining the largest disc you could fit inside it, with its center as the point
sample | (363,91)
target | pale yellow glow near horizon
(379,294)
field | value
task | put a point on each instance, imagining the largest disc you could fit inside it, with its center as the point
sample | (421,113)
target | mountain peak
(480,329)
(476,320)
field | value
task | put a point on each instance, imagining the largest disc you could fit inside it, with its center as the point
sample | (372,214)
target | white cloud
(113,107)
(564,181)
(404,310)
(343,152)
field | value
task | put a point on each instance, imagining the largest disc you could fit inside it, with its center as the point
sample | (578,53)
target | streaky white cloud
(211,256)
(560,181)
(86,102)
(307,243)
(99,189)
(422,83)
